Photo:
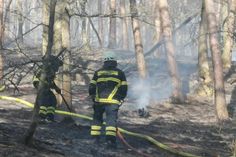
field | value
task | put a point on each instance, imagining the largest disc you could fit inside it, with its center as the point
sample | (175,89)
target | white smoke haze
(141,92)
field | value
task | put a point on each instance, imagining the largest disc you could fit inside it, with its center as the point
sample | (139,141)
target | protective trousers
(111,111)
(47,102)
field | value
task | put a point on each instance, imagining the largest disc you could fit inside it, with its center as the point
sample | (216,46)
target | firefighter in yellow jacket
(45,97)
(108,88)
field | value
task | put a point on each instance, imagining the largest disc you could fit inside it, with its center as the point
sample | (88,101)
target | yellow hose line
(2,88)
(146,137)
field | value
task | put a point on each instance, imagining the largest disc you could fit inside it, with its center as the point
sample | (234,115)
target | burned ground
(188,127)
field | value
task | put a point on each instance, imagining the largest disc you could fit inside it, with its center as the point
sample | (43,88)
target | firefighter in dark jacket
(45,97)
(108,88)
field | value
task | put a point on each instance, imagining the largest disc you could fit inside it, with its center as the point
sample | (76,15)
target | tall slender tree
(28,138)
(65,22)
(125,39)
(204,89)
(1,41)
(45,25)
(228,35)
(100,23)
(85,26)
(2,25)
(140,60)
(220,101)
(20,20)
(167,36)
(112,30)
(157,23)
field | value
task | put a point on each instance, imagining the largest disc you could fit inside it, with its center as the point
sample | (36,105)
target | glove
(121,102)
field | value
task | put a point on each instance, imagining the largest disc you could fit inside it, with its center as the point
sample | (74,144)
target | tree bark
(20,20)
(1,23)
(112,30)
(100,23)
(138,40)
(157,24)
(125,39)
(45,25)
(204,88)
(85,25)
(30,132)
(1,41)
(67,58)
(228,36)
(220,102)
(177,96)
(57,36)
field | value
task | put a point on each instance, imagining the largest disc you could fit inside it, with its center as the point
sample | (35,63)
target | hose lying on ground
(129,146)
(146,137)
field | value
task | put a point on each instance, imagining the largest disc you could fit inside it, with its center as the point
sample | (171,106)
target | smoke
(158,86)
(140,91)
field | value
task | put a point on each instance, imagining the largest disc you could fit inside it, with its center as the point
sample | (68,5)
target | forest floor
(190,127)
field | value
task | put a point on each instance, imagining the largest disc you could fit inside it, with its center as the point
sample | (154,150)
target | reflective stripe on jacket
(108,85)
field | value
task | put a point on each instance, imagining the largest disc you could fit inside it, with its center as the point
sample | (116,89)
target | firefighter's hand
(121,102)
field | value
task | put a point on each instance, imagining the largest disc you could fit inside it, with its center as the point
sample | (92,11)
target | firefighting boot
(50,118)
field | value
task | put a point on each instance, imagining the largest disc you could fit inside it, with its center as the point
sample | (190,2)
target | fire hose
(120,130)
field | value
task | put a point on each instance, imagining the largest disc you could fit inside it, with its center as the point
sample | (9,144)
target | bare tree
(67,58)
(100,23)
(204,89)
(157,21)
(125,39)
(228,35)
(112,30)
(1,23)
(85,25)
(20,20)
(1,40)
(220,102)
(167,36)
(45,25)
(140,60)
(30,132)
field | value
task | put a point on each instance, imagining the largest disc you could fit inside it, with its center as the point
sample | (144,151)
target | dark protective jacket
(108,84)
(48,83)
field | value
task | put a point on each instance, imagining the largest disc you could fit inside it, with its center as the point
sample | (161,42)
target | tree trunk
(30,132)
(220,102)
(1,41)
(204,88)
(45,25)
(157,24)
(85,36)
(57,36)
(57,40)
(1,24)
(138,40)
(20,20)
(125,39)
(228,36)
(67,58)
(7,20)
(27,12)
(112,30)
(100,23)
(177,96)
